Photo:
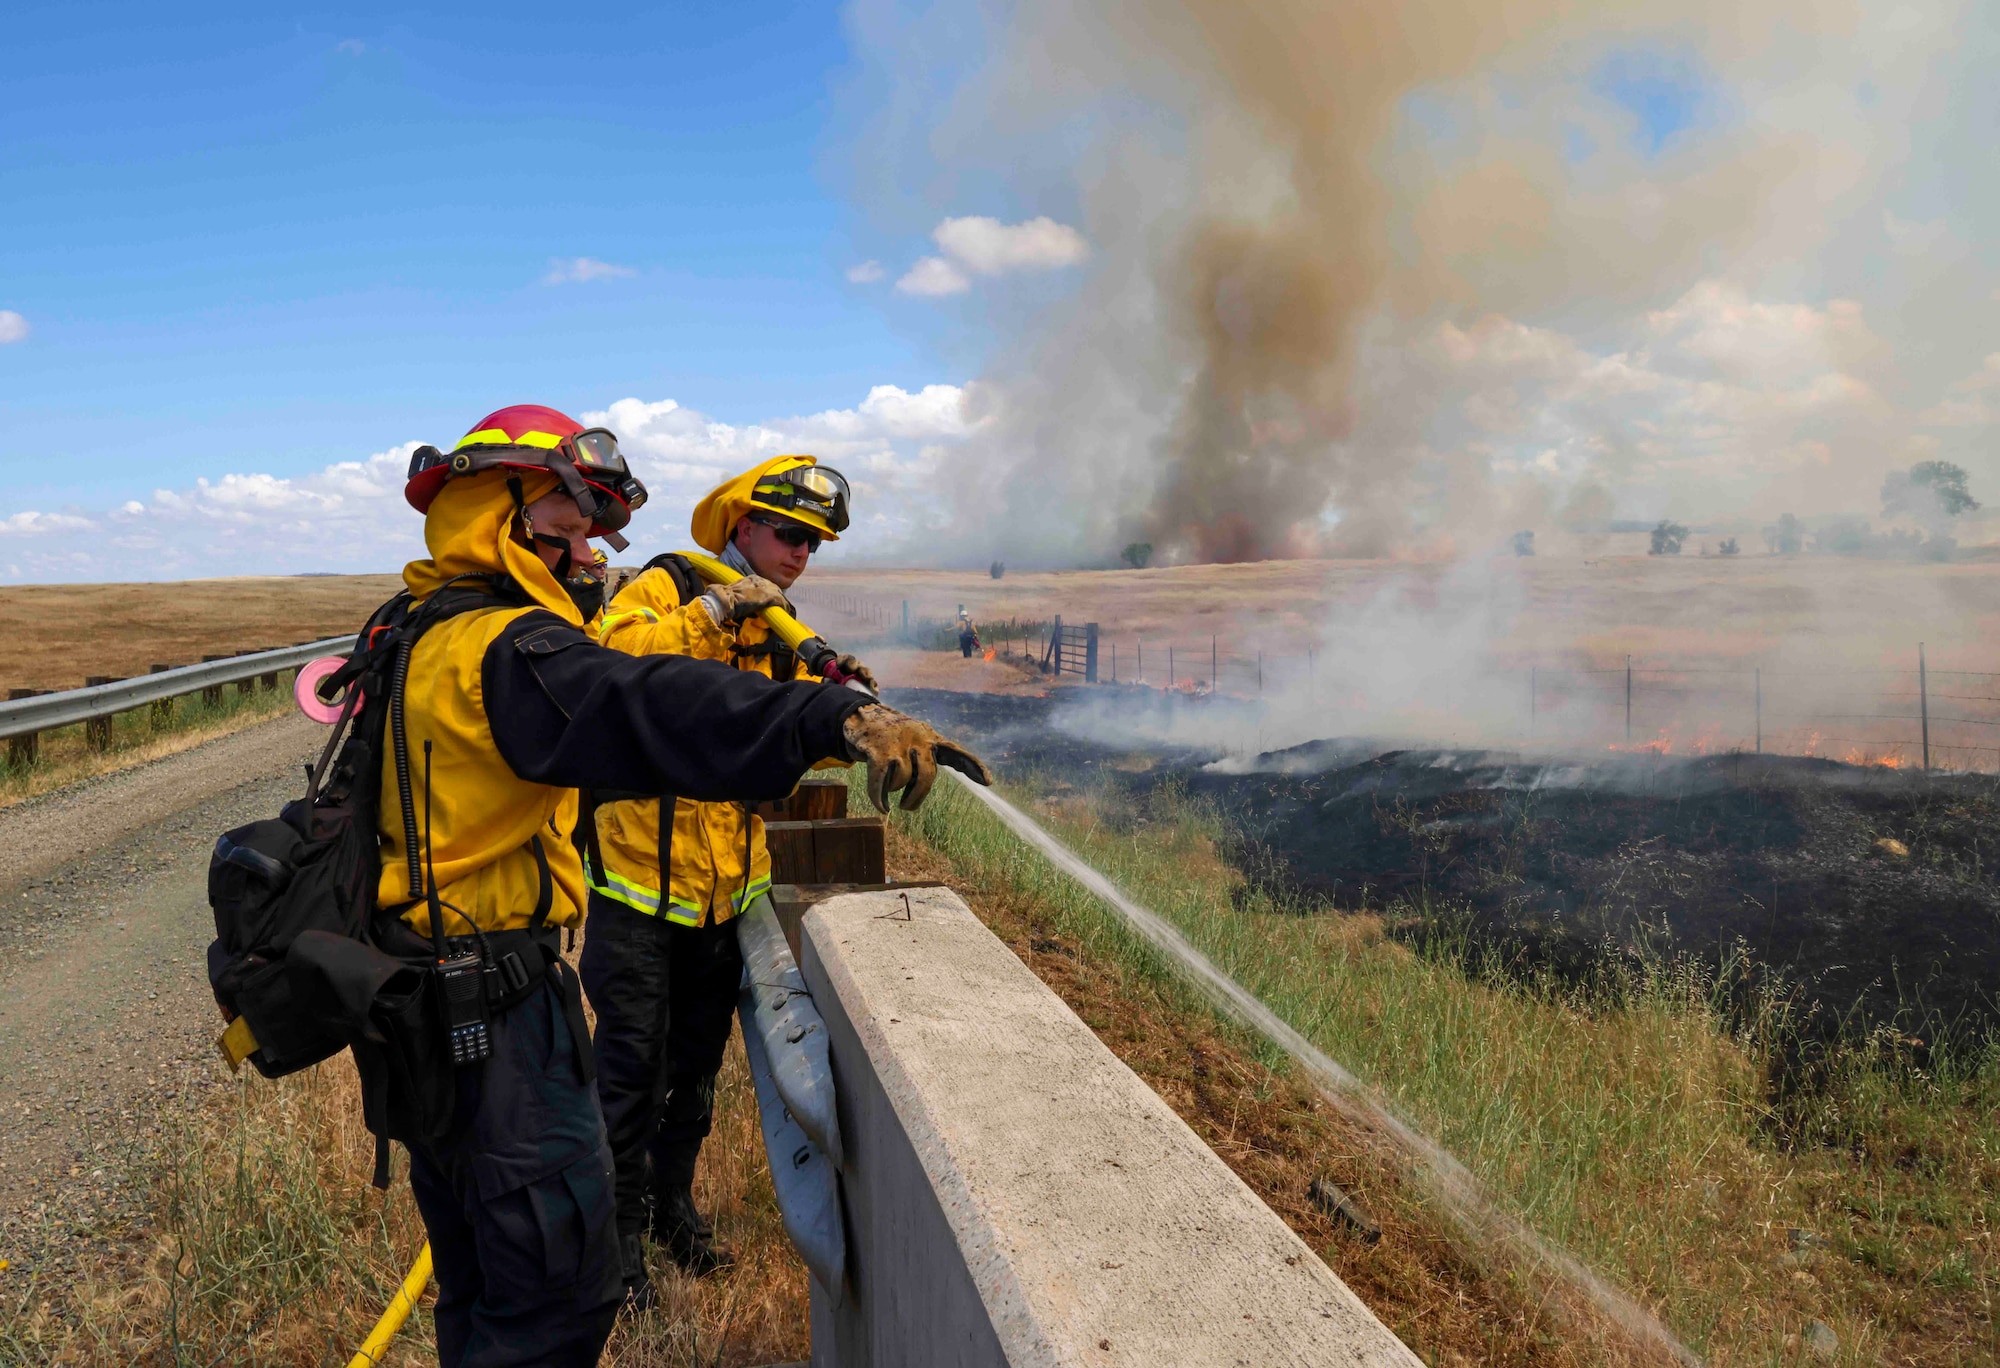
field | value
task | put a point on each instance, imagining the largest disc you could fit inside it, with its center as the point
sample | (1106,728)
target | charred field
(1860,900)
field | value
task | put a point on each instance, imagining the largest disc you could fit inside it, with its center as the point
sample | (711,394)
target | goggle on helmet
(586,460)
(818,492)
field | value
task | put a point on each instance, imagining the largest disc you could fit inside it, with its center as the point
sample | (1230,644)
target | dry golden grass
(270,1247)
(1808,611)
(59,634)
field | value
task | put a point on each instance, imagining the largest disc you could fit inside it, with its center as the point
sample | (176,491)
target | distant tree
(1934,492)
(1727,547)
(1847,537)
(1524,543)
(1786,536)
(1667,539)
(997,569)
(1137,554)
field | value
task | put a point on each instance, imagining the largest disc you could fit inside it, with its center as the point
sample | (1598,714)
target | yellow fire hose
(813,651)
(400,1306)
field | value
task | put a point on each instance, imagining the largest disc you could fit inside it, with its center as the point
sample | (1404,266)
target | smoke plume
(1400,279)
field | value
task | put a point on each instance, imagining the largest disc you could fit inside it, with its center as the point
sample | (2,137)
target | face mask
(587,593)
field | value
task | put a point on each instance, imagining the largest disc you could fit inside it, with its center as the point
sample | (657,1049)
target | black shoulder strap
(546,897)
(687,583)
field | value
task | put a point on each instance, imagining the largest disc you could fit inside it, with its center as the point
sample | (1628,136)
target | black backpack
(300,942)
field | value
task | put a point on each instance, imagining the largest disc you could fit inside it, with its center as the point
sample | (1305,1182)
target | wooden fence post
(97,730)
(25,749)
(161,713)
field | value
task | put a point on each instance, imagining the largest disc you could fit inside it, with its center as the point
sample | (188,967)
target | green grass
(1632,1127)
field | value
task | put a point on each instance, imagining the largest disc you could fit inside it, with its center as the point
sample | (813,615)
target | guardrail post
(161,713)
(23,750)
(97,730)
(1090,653)
(212,695)
(268,681)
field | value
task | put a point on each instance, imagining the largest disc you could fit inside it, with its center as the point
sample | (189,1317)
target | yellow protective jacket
(483,817)
(718,862)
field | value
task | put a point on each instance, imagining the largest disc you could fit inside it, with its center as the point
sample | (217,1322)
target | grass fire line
(1448,1180)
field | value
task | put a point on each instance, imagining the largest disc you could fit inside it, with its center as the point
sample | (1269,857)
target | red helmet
(531,437)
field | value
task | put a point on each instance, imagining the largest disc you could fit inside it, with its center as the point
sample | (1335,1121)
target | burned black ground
(1870,897)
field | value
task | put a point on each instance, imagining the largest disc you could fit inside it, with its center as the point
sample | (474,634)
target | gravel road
(107,1027)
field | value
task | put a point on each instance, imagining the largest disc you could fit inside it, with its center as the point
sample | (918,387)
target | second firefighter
(668,875)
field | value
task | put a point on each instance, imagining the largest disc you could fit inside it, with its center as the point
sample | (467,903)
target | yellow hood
(715,516)
(470,531)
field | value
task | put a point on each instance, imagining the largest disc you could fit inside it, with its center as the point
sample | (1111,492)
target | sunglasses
(791,534)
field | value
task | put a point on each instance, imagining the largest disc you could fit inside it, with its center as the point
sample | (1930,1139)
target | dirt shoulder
(106,1023)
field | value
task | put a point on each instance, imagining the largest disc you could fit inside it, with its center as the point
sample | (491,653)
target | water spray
(1462,1194)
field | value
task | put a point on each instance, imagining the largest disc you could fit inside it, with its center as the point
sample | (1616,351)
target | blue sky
(248,259)
(252,240)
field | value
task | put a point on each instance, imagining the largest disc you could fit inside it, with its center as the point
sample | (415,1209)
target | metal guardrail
(67,707)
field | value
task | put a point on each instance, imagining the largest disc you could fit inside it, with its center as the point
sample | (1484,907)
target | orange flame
(988,655)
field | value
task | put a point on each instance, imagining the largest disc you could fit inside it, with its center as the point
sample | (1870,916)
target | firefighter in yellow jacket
(660,959)
(506,710)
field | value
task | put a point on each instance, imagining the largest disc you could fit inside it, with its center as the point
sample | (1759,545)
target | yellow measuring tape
(400,1306)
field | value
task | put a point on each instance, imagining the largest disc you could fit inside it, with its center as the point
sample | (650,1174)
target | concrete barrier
(1015,1195)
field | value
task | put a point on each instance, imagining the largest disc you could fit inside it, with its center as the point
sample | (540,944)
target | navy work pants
(664,995)
(518,1202)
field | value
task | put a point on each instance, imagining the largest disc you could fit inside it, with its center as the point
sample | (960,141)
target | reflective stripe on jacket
(718,859)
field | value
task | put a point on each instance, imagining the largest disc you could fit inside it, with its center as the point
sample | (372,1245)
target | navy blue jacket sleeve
(568,712)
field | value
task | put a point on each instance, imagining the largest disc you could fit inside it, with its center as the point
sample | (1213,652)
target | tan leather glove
(745,598)
(852,667)
(903,753)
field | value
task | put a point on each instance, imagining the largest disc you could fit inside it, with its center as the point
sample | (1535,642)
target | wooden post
(1758,674)
(1114,662)
(97,730)
(1628,698)
(25,749)
(162,711)
(1090,653)
(1056,645)
(1924,701)
(211,694)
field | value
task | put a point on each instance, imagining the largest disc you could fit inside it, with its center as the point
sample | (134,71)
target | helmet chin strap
(567,560)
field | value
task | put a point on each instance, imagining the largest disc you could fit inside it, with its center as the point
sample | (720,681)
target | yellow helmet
(793,486)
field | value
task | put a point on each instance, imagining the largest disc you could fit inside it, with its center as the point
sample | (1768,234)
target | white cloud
(33,524)
(350,47)
(13,327)
(867,273)
(987,246)
(934,276)
(582,270)
(888,446)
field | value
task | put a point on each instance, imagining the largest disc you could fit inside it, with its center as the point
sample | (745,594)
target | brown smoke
(1207,392)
